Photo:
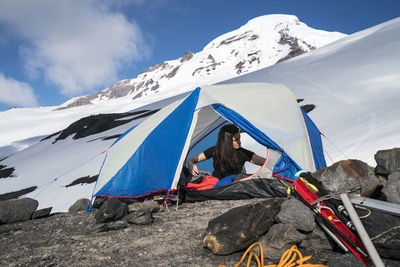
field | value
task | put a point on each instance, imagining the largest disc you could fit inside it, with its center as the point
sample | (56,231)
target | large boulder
(388,161)
(297,214)
(239,227)
(392,188)
(351,176)
(17,210)
(280,238)
(384,231)
(111,210)
(79,205)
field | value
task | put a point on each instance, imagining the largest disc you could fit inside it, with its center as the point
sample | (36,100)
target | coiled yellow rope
(288,258)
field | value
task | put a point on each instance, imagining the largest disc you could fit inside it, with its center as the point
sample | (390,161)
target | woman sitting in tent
(229,157)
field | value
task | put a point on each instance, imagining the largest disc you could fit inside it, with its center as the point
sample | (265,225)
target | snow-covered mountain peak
(262,42)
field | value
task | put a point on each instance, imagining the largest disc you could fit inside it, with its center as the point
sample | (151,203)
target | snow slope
(355,83)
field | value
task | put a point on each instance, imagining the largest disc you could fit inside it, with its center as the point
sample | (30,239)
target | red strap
(207,183)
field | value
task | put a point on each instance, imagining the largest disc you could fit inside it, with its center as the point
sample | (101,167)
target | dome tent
(149,157)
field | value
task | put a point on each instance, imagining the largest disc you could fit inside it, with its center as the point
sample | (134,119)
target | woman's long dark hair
(226,159)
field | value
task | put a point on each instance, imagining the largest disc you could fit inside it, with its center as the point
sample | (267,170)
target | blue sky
(52,50)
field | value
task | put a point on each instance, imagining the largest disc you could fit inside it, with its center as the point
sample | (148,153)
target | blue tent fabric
(286,168)
(316,142)
(155,174)
(245,125)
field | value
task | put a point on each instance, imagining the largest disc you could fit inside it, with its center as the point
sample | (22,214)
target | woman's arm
(191,163)
(256,159)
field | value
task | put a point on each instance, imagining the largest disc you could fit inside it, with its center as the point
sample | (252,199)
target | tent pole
(177,202)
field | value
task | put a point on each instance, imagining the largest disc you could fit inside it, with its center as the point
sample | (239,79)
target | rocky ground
(173,239)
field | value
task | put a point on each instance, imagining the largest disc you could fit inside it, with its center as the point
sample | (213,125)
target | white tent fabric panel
(272,108)
(122,150)
(207,117)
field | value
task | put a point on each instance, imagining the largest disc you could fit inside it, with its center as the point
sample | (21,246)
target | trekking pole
(361,231)
(332,235)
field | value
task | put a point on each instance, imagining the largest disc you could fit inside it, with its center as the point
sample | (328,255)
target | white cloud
(15,93)
(79,45)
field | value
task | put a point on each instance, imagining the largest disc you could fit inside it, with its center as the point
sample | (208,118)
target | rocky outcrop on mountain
(6,172)
(186,57)
(99,123)
(295,48)
(84,180)
(17,194)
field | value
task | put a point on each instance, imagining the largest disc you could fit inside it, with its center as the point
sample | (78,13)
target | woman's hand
(194,170)
(192,166)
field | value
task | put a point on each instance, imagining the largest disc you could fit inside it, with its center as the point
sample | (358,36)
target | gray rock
(79,205)
(239,227)
(152,205)
(101,228)
(16,210)
(174,239)
(298,215)
(387,161)
(117,225)
(140,217)
(384,231)
(111,210)
(351,176)
(317,240)
(392,188)
(279,238)
(347,259)
(42,213)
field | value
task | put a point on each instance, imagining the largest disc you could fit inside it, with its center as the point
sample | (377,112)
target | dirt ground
(173,239)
